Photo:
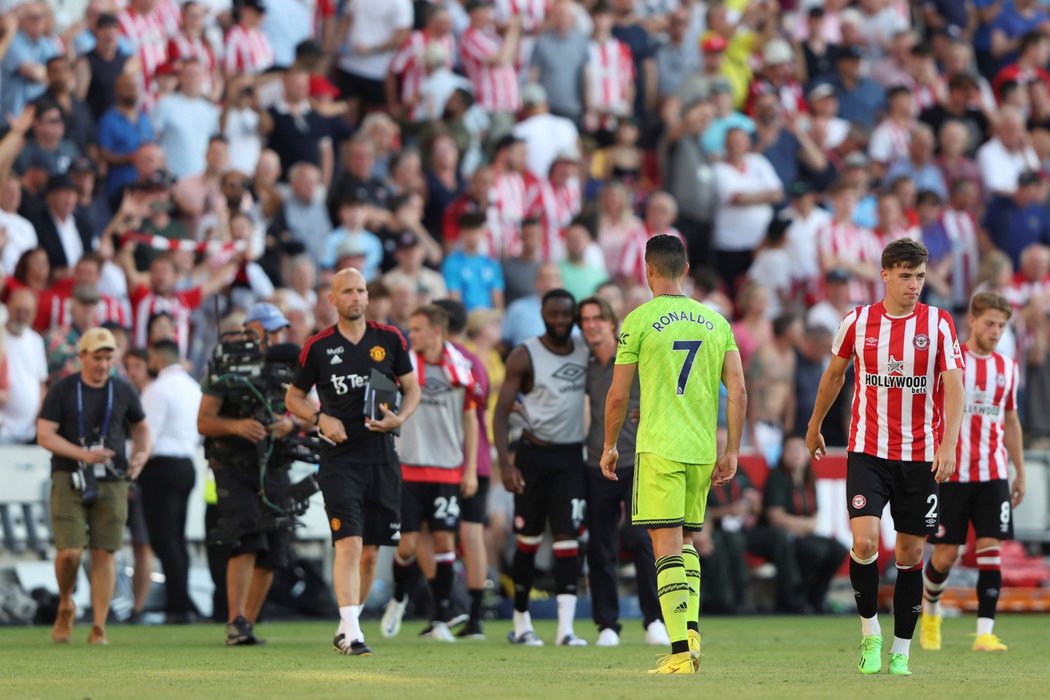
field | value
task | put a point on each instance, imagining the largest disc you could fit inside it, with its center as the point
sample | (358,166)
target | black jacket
(47,235)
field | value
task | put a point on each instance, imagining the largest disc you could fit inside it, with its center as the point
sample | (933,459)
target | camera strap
(80,412)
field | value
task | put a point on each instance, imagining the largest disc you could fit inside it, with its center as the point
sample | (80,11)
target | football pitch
(756,657)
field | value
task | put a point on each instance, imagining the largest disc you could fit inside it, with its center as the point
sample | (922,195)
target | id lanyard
(80,413)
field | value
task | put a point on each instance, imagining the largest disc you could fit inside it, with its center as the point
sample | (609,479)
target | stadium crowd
(165,165)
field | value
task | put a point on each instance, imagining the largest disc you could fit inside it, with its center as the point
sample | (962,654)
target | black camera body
(85,481)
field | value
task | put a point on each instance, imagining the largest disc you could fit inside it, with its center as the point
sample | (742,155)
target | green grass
(743,658)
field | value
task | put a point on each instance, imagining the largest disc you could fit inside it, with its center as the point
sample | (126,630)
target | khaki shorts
(669,493)
(99,525)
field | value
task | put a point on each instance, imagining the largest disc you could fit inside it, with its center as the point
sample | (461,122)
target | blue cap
(268,315)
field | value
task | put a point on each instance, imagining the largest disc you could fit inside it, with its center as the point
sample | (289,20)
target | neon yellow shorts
(669,493)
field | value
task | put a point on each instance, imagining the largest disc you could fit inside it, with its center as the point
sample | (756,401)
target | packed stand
(166,165)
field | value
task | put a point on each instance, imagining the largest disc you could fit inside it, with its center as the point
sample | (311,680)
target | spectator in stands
(20,234)
(1017,221)
(806,562)
(429,284)
(748,187)
(488,61)
(725,118)
(24,68)
(861,99)
(545,134)
(617,224)
(184,122)
(296,132)
(247,50)
(722,545)
(305,216)
(61,341)
(1003,158)
(678,57)
(579,276)
(26,362)
(954,162)
(962,104)
(829,312)
(352,212)
(444,183)
(966,239)
(889,140)
(48,142)
(697,85)
(893,222)
(782,140)
(919,164)
(523,318)
(122,130)
(371,34)
(824,108)
(359,180)
(192,43)
(805,220)
(92,206)
(471,276)
(508,195)
(660,213)
(611,74)
(519,271)
(689,178)
(753,329)
(82,427)
(845,245)
(818,55)
(62,234)
(559,60)
(98,69)
(771,373)
(813,353)
(77,117)
(1016,19)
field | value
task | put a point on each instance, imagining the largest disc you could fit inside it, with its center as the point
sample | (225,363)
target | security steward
(232,447)
(84,422)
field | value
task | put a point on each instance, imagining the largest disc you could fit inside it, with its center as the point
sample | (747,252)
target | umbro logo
(569,372)
(336,360)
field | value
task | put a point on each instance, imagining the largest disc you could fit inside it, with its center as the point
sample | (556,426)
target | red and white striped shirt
(991,390)
(632,261)
(148,34)
(509,200)
(533,14)
(144,303)
(495,85)
(170,16)
(962,232)
(889,142)
(610,66)
(182,47)
(248,51)
(898,400)
(556,207)
(850,243)
(408,62)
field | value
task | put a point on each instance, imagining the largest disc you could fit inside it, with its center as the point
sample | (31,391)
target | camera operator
(83,423)
(360,474)
(236,442)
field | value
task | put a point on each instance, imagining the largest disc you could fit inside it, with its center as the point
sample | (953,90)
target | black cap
(472,5)
(59,182)
(799,188)
(407,239)
(817,11)
(837,275)
(82,164)
(257,5)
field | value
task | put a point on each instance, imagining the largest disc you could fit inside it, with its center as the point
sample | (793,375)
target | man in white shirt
(806,219)
(748,187)
(184,121)
(21,236)
(545,135)
(370,34)
(1004,158)
(170,403)
(26,371)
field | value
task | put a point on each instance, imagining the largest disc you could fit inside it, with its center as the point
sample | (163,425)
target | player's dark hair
(137,353)
(989,301)
(904,252)
(605,310)
(457,315)
(435,315)
(896,91)
(666,254)
(558,294)
(377,290)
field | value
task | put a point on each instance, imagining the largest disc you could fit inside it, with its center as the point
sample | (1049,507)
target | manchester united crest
(377,353)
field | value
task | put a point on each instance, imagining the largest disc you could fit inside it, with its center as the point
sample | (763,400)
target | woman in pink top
(754,328)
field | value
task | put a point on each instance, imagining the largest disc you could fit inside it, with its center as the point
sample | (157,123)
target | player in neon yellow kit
(682,351)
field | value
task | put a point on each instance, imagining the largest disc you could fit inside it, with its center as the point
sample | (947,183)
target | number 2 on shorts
(690,347)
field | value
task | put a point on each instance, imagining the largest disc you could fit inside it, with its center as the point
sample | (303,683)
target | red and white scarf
(456,367)
(158,242)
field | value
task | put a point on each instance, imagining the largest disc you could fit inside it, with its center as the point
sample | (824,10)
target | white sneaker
(528,638)
(390,625)
(656,634)
(608,638)
(440,632)
(571,640)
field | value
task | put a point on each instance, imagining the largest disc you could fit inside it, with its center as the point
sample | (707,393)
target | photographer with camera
(354,365)
(241,424)
(84,423)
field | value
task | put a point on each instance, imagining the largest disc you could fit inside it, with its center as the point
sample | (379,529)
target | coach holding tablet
(360,474)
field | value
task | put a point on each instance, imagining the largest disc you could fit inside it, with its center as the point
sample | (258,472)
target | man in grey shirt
(558,60)
(607,500)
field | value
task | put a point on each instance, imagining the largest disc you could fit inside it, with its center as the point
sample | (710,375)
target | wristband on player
(317,419)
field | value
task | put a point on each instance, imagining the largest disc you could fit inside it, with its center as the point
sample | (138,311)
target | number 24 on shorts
(690,347)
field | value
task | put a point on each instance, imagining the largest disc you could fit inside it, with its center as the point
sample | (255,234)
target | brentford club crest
(922,341)
(859,501)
